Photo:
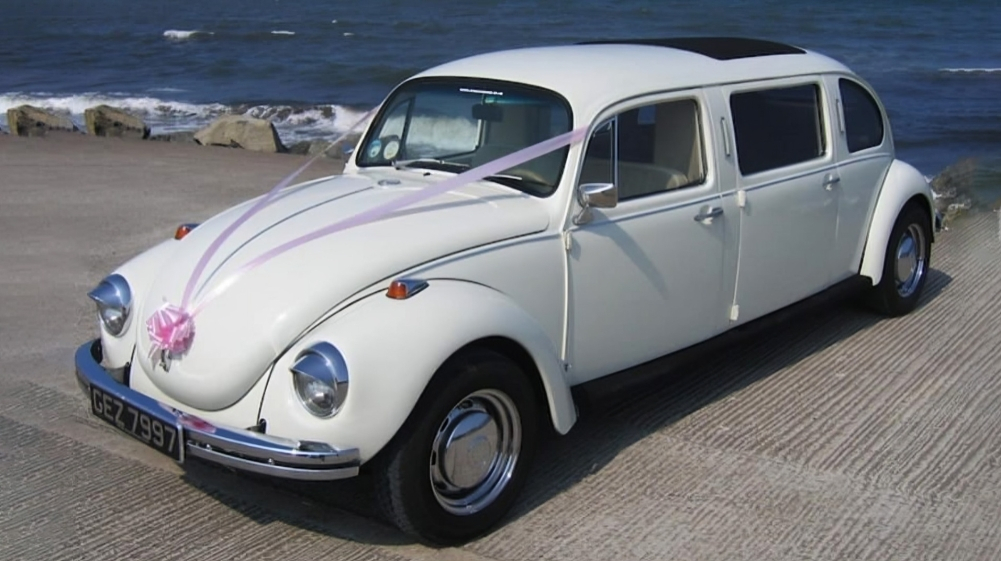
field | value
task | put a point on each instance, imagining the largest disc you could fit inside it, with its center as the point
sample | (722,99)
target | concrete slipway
(837,436)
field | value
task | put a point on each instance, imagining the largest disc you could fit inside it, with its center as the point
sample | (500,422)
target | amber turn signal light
(401,289)
(184,230)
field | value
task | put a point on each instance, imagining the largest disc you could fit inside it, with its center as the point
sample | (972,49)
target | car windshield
(455,124)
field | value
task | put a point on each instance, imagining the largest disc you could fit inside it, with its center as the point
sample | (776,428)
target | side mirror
(595,195)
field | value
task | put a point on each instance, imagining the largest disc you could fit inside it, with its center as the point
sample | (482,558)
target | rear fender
(902,184)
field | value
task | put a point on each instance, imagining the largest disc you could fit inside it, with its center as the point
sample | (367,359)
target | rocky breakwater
(239,131)
(109,121)
(27,120)
(234,131)
(969,185)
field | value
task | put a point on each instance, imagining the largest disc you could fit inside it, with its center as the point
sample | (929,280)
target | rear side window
(863,119)
(777,127)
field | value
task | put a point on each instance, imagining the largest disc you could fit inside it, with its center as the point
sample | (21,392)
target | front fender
(392,349)
(902,184)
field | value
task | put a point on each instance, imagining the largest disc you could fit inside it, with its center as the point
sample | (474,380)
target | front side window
(863,119)
(655,148)
(777,127)
(456,124)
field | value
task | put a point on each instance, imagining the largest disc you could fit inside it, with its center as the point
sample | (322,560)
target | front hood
(242,330)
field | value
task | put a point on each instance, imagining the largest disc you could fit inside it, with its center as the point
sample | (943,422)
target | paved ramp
(836,436)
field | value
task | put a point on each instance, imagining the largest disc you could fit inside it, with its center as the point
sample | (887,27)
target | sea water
(314,68)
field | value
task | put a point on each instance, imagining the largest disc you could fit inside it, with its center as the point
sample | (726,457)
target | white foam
(971,70)
(182,35)
(282,32)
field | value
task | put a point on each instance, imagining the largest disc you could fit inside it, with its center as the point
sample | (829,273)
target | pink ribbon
(170,329)
(174,331)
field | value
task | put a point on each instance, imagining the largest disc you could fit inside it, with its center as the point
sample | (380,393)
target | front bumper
(236,448)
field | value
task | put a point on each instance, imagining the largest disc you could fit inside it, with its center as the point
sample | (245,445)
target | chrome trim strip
(236,448)
(830,166)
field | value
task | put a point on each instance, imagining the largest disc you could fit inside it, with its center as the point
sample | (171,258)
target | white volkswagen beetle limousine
(512,225)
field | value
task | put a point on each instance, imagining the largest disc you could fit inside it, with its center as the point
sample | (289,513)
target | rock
(32,121)
(109,121)
(239,131)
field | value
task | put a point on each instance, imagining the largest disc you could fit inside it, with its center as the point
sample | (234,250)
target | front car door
(647,278)
(788,176)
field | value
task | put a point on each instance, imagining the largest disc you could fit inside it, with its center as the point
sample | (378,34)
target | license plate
(160,434)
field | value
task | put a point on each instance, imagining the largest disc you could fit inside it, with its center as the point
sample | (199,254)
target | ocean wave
(183,35)
(970,70)
(282,32)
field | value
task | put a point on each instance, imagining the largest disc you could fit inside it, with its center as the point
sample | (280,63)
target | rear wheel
(458,463)
(905,268)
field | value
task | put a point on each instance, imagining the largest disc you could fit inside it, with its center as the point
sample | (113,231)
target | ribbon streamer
(172,327)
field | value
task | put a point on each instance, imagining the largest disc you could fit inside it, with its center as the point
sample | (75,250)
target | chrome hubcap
(475,451)
(910,260)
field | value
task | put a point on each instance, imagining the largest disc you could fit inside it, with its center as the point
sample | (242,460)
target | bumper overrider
(232,447)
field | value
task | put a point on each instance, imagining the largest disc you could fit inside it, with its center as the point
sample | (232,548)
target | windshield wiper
(430,163)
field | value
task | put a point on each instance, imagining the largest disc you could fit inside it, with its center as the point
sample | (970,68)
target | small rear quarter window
(863,119)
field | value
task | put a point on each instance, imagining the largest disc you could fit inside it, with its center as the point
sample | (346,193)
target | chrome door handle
(707,213)
(830,180)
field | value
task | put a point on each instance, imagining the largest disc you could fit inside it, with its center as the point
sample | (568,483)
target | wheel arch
(393,349)
(903,185)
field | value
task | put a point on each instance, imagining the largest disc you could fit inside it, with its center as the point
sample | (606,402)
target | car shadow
(347,509)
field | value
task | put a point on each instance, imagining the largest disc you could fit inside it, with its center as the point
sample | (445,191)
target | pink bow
(170,329)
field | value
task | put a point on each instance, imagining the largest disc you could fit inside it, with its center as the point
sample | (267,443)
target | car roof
(593,75)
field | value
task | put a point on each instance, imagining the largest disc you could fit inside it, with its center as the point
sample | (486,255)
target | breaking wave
(183,35)
(971,70)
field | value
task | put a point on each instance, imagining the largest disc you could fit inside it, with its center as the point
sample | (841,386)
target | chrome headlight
(320,377)
(114,303)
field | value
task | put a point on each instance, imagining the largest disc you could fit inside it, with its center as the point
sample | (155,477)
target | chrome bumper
(236,448)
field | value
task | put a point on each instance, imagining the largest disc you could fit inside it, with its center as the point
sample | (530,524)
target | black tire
(413,483)
(906,263)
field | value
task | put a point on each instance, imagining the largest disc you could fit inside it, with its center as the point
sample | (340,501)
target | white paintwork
(646,279)
(640,280)
(592,77)
(787,226)
(862,173)
(902,184)
(394,347)
(241,331)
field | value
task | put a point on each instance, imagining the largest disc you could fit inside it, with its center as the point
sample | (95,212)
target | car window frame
(824,113)
(843,112)
(612,114)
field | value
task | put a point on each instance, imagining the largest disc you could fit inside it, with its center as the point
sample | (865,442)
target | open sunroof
(719,48)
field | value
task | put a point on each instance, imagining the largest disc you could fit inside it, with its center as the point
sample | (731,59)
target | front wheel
(458,463)
(905,268)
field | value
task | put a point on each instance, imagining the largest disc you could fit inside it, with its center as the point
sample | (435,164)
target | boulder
(239,131)
(27,120)
(109,121)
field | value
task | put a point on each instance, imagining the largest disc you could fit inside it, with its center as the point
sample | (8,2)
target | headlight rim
(324,363)
(113,293)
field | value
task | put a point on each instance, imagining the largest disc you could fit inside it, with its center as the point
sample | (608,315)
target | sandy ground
(837,436)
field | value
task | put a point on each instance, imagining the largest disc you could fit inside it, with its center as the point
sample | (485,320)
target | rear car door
(865,151)
(787,174)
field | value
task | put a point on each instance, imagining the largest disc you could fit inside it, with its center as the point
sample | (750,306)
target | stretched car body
(703,183)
